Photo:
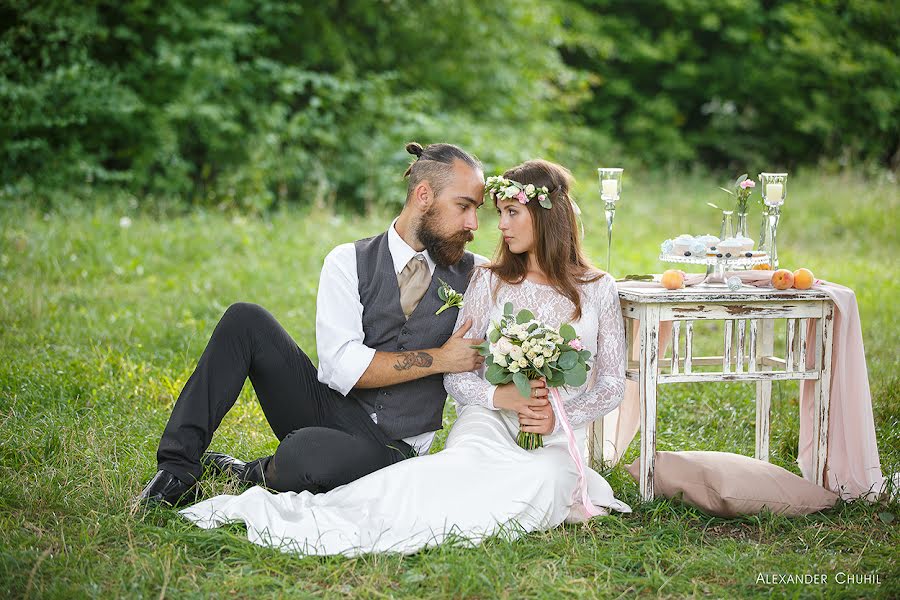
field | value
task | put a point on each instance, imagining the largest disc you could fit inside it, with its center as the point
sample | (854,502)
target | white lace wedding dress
(482,483)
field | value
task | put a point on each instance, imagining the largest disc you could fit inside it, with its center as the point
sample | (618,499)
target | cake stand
(716,267)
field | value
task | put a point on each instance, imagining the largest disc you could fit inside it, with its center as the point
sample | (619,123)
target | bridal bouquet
(519,349)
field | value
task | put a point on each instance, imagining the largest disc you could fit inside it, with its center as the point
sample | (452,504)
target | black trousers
(326,440)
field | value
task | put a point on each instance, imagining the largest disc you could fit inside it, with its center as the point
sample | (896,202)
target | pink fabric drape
(853,468)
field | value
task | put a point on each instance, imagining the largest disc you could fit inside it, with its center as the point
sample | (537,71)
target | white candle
(773,193)
(609,189)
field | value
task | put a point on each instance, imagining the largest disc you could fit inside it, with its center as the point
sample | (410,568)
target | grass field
(102,320)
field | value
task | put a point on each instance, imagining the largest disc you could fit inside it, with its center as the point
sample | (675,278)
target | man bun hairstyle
(434,164)
(416,150)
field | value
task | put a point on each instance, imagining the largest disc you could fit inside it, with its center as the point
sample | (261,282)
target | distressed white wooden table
(749,316)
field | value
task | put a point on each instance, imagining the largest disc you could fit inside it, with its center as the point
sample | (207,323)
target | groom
(378,394)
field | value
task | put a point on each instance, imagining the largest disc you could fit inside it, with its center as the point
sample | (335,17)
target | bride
(482,484)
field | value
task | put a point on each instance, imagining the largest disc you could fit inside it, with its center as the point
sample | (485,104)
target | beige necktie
(413,280)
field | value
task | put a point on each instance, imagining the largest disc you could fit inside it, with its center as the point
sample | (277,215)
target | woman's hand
(544,426)
(507,396)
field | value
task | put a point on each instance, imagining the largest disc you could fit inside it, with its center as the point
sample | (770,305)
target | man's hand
(544,425)
(507,396)
(457,354)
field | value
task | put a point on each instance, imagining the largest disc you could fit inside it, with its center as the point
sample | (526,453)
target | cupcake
(746,244)
(698,248)
(682,244)
(729,246)
(709,240)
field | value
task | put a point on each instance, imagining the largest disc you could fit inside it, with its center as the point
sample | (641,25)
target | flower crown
(500,188)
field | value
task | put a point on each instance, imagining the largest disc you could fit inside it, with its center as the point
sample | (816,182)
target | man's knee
(319,459)
(244,311)
(246,317)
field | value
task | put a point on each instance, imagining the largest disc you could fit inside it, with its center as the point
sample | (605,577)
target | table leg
(766,328)
(649,355)
(823,392)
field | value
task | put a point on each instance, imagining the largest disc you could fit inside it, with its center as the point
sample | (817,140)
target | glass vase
(727,229)
(741,225)
(763,245)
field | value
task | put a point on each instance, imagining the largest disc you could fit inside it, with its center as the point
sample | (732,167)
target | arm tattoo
(409,360)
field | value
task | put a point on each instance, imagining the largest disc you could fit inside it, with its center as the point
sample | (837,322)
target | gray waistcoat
(417,406)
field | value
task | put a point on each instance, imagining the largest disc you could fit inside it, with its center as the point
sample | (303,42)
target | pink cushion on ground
(729,485)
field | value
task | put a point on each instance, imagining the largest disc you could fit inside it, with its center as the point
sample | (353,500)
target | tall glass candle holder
(774,191)
(610,191)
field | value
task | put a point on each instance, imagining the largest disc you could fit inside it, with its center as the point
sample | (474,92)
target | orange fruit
(803,279)
(673,279)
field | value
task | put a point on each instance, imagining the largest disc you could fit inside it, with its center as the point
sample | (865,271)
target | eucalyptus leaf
(508,309)
(524,316)
(575,377)
(557,380)
(483,348)
(495,336)
(567,332)
(568,360)
(495,374)
(522,384)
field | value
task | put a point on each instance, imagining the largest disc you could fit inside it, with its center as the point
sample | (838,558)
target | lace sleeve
(471,387)
(606,387)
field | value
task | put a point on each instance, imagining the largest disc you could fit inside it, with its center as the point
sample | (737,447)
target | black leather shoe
(219,463)
(165,488)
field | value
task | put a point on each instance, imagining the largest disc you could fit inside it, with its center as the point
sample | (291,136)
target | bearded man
(377,396)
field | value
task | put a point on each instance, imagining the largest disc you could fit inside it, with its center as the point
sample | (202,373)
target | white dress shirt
(343,357)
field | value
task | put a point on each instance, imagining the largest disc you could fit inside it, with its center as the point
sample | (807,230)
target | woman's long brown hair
(557,244)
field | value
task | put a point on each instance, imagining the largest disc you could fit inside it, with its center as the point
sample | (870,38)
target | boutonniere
(450,297)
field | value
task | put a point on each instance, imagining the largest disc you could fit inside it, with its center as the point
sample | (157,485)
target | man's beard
(444,250)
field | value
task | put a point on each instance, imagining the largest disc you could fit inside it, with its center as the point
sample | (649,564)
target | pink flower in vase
(748,183)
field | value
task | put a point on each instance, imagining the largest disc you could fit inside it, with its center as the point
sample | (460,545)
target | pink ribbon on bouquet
(574,453)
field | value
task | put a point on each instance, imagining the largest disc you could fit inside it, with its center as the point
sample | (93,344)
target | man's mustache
(463,237)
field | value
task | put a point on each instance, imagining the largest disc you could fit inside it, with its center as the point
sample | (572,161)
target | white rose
(511,191)
(529,189)
(522,362)
(516,353)
(530,355)
(514,368)
(500,360)
(554,357)
(504,346)
(538,361)
(548,352)
(522,334)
